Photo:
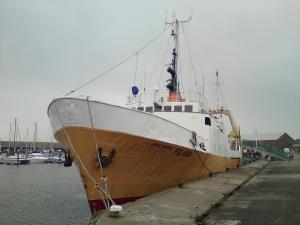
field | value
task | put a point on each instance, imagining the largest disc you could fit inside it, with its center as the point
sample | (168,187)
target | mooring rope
(97,185)
(103,178)
(94,134)
(198,156)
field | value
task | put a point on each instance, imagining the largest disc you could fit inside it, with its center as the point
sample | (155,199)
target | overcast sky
(49,47)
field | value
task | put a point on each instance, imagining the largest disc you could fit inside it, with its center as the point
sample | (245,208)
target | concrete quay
(270,198)
(188,204)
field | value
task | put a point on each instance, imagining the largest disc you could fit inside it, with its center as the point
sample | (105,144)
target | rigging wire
(220,92)
(180,74)
(163,66)
(163,59)
(187,42)
(118,64)
(157,63)
(136,64)
(190,57)
(189,69)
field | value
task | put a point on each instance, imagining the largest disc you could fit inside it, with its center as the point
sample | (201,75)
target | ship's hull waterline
(139,167)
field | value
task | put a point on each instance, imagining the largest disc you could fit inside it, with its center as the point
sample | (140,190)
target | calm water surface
(42,194)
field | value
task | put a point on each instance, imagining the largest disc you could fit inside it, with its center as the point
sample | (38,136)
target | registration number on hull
(176,151)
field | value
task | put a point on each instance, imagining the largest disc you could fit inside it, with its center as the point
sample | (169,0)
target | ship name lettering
(158,145)
(182,152)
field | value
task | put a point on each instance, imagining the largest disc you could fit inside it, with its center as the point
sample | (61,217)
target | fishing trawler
(125,153)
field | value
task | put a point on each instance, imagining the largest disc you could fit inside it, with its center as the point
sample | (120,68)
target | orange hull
(139,167)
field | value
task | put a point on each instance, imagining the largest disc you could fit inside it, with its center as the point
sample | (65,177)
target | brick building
(280,140)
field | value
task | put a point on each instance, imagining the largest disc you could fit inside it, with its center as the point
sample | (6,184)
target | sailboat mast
(15,135)
(9,136)
(26,142)
(35,137)
(255,134)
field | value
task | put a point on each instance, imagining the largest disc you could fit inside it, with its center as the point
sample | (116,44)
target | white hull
(13,160)
(34,160)
(169,127)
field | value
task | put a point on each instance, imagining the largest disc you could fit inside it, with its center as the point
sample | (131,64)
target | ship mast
(173,84)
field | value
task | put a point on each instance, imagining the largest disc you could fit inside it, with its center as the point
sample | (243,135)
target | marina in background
(24,153)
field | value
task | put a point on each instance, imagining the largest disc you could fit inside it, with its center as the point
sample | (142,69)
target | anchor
(106,160)
(193,139)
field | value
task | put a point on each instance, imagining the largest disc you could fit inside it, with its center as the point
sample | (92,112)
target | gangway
(270,151)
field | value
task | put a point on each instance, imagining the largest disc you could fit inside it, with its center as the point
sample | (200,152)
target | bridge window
(177,108)
(188,108)
(140,108)
(167,108)
(207,121)
(149,109)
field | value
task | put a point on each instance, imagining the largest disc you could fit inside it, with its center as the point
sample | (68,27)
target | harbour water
(42,194)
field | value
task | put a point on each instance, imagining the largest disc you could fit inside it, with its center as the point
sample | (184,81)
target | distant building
(281,140)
